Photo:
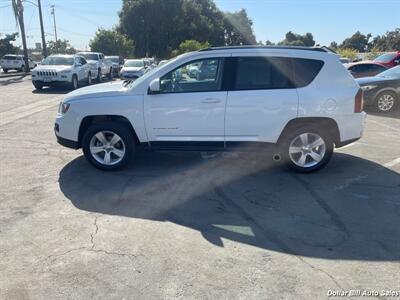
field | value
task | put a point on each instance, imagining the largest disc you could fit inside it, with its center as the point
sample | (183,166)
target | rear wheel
(108,146)
(306,150)
(98,79)
(386,101)
(89,79)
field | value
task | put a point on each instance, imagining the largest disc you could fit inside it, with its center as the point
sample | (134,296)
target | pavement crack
(93,234)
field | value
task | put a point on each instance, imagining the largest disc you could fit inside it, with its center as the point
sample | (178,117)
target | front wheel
(110,75)
(74,82)
(386,101)
(307,150)
(38,86)
(5,70)
(108,146)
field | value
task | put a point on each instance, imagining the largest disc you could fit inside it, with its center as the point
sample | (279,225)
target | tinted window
(376,68)
(305,71)
(197,76)
(255,73)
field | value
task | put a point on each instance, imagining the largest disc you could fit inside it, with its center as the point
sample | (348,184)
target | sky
(327,20)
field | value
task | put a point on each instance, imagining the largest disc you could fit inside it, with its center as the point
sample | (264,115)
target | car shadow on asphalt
(14,79)
(349,210)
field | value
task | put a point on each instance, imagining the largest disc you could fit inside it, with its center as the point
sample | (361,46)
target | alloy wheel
(307,150)
(385,102)
(107,148)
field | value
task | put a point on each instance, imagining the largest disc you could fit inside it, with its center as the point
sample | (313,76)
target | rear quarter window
(305,71)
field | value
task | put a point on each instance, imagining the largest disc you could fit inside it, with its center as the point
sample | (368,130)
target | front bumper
(52,82)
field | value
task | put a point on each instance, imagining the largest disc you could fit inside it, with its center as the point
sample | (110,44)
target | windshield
(58,60)
(134,63)
(385,57)
(114,59)
(391,73)
(89,56)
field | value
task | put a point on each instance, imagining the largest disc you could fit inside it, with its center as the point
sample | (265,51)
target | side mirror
(397,61)
(154,87)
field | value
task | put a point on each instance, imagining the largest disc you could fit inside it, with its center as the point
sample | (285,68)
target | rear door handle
(211,100)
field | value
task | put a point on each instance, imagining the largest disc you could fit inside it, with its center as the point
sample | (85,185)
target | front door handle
(211,100)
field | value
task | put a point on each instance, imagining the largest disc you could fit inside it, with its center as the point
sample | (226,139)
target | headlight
(63,108)
(368,87)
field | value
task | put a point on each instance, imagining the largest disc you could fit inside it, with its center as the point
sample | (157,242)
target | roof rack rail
(318,49)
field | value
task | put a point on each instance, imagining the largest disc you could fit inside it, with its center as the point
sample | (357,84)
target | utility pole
(44,46)
(54,20)
(22,26)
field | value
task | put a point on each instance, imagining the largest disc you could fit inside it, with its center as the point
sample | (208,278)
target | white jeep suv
(299,103)
(15,62)
(62,70)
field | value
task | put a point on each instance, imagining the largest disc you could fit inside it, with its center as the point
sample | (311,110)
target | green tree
(60,47)
(111,42)
(238,29)
(390,41)
(159,26)
(189,46)
(294,39)
(6,46)
(357,41)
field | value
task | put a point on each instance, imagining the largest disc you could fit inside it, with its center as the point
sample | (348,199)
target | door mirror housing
(154,86)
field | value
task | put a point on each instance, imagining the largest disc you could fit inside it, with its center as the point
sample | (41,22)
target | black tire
(22,69)
(38,86)
(74,82)
(5,70)
(110,75)
(122,131)
(312,131)
(379,107)
(98,79)
(89,79)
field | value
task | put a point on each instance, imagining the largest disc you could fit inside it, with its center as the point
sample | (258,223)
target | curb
(14,75)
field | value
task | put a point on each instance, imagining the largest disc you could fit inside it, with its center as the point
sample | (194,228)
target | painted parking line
(392,163)
(26,110)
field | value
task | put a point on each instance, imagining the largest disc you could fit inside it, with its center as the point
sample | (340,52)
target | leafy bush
(348,53)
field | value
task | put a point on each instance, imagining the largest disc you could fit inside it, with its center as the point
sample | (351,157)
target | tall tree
(60,47)
(294,39)
(357,41)
(238,29)
(390,41)
(158,26)
(111,42)
(6,46)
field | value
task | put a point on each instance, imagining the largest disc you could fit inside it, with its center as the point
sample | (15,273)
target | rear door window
(257,73)
(9,57)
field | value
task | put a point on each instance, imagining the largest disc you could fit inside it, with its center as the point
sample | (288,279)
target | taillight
(359,102)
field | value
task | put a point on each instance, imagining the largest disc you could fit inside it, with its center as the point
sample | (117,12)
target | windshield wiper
(128,82)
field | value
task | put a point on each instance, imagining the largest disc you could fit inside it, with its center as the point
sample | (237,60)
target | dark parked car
(390,59)
(382,91)
(365,69)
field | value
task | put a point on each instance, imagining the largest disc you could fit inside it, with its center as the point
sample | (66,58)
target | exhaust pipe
(276,157)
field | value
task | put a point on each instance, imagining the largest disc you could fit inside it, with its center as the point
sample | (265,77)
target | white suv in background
(99,66)
(298,103)
(62,70)
(15,62)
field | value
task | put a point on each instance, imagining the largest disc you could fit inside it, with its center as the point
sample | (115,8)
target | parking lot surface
(189,225)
